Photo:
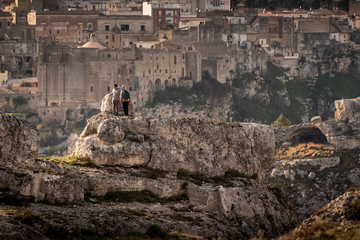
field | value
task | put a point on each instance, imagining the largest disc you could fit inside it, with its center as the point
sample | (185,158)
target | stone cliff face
(298,88)
(178,145)
(311,183)
(207,187)
(339,219)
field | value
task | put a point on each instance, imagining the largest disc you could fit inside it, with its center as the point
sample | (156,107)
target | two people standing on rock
(120,95)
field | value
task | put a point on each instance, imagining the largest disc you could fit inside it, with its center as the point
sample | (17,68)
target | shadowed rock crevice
(306,135)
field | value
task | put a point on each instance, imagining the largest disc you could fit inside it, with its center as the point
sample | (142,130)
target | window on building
(142,27)
(8,23)
(165,70)
(183,56)
(108,88)
(113,38)
(124,27)
(0,25)
(57,31)
(49,31)
(91,88)
(107,28)
(174,59)
(182,72)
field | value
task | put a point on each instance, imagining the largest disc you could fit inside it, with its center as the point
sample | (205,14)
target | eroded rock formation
(203,179)
(184,144)
(311,183)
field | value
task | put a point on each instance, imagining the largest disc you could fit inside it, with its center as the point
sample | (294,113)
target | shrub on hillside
(281,121)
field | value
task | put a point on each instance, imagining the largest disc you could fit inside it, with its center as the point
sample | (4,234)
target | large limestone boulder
(347,110)
(178,145)
(106,104)
(19,140)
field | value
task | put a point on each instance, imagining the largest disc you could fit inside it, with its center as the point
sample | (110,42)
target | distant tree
(281,121)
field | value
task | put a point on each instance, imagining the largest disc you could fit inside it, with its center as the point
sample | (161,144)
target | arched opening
(158,85)
(166,83)
(308,134)
(174,82)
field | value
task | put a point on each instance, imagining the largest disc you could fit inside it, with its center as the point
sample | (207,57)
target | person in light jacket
(116,99)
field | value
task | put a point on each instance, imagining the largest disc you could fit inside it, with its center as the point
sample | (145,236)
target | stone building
(165,16)
(82,75)
(212,5)
(5,24)
(90,5)
(18,51)
(65,26)
(126,29)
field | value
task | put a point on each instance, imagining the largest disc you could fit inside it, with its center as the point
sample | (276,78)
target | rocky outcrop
(311,183)
(339,219)
(201,175)
(18,139)
(178,145)
(347,110)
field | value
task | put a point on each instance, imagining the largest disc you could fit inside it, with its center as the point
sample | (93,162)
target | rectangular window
(174,59)
(125,27)
(113,38)
(107,28)
(142,27)
(57,31)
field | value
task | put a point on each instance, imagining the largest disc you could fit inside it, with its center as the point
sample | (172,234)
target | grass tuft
(69,161)
(305,150)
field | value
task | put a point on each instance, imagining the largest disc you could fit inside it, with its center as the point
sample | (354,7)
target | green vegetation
(19,101)
(51,138)
(16,114)
(341,85)
(324,230)
(69,161)
(281,121)
(188,97)
(25,216)
(305,150)
(5,106)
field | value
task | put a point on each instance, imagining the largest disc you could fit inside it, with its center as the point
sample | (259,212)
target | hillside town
(65,54)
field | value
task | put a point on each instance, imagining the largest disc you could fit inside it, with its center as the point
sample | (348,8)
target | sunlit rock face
(204,178)
(18,139)
(186,144)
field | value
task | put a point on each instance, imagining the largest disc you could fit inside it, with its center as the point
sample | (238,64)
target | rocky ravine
(180,175)
(312,183)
